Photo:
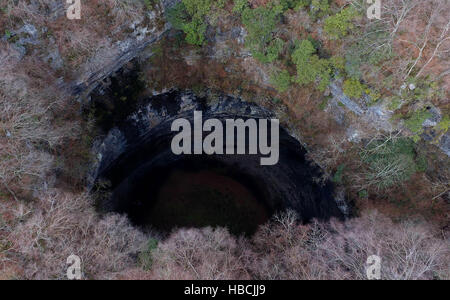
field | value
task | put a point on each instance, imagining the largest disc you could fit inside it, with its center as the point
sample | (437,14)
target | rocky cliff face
(144,32)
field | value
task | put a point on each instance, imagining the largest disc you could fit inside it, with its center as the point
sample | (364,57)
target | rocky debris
(106,151)
(353,135)
(444,143)
(436,117)
(374,115)
(54,57)
(341,201)
(378,117)
(340,97)
(22,37)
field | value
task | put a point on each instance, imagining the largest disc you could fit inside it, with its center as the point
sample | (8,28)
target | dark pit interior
(160,190)
(195,192)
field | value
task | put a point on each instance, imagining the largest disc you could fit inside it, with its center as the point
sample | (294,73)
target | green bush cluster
(319,8)
(445,123)
(394,102)
(294,4)
(414,122)
(240,6)
(281,80)
(339,25)
(364,194)
(338,176)
(150,4)
(324,103)
(354,88)
(145,258)
(425,89)
(190,17)
(310,67)
(260,23)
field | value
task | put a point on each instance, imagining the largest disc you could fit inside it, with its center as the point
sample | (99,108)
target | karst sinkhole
(141,177)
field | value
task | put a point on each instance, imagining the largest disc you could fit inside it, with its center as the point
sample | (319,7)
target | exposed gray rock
(54,57)
(106,152)
(353,135)
(374,115)
(111,58)
(21,38)
(339,96)
(444,143)
(341,201)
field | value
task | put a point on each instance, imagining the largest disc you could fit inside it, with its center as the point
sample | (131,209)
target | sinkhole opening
(162,191)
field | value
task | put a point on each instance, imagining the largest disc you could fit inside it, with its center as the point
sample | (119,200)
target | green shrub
(445,123)
(178,16)
(374,95)
(414,123)
(338,176)
(421,163)
(323,104)
(338,63)
(198,7)
(8,34)
(260,24)
(271,52)
(319,8)
(394,103)
(339,25)
(390,162)
(364,194)
(317,44)
(276,100)
(354,88)
(190,17)
(294,4)
(150,4)
(240,6)
(309,66)
(425,89)
(195,32)
(145,258)
(281,80)
(221,3)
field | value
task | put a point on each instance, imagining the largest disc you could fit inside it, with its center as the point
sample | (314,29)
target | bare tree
(430,11)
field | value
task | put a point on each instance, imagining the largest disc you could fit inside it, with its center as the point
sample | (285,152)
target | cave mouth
(161,191)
